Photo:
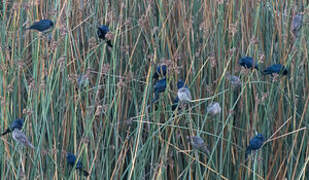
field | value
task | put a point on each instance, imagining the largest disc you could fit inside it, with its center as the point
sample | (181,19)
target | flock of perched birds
(183,96)
(16,126)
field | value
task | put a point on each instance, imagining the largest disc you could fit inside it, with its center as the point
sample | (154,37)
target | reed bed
(107,120)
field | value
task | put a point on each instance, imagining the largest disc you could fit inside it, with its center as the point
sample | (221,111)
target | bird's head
(180,84)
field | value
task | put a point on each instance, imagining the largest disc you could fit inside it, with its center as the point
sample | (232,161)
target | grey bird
(21,138)
(297,24)
(234,80)
(198,143)
(184,94)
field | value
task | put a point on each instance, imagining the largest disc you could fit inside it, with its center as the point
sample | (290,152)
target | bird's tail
(205,149)
(7,131)
(85,173)
(109,43)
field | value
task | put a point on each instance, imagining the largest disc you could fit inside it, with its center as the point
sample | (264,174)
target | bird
(248,62)
(180,84)
(71,159)
(213,108)
(160,70)
(297,24)
(234,80)
(42,25)
(183,92)
(16,124)
(275,69)
(83,81)
(159,87)
(102,31)
(255,143)
(21,138)
(198,143)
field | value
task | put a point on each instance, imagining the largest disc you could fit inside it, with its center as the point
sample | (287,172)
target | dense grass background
(106,123)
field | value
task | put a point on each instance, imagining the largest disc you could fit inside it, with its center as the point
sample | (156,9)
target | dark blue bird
(71,158)
(248,62)
(181,84)
(42,25)
(102,31)
(275,69)
(255,143)
(160,71)
(159,87)
(16,124)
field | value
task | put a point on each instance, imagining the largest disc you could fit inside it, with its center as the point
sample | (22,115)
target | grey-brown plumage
(184,94)
(21,138)
(234,80)
(198,143)
(214,108)
(297,24)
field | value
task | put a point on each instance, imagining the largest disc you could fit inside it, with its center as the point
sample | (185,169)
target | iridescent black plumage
(102,31)
(159,87)
(160,71)
(42,25)
(71,159)
(16,124)
(275,69)
(255,143)
(248,62)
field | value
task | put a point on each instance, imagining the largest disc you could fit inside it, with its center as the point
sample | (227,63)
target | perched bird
(248,62)
(102,31)
(160,71)
(159,87)
(183,92)
(234,80)
(297,24)
(83,81)
(180,84)
(71,158)
(255,143)
(214,108)
(42,25)
(21,138)
(198,143)
(16,124)
(275,69)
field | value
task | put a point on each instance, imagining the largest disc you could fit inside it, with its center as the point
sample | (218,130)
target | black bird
(181,84)
(42,25)
(159,87)
(248,62)
(16,124)
(102,31)
(71,158)
(255,143)
(160,70)
(275,69)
